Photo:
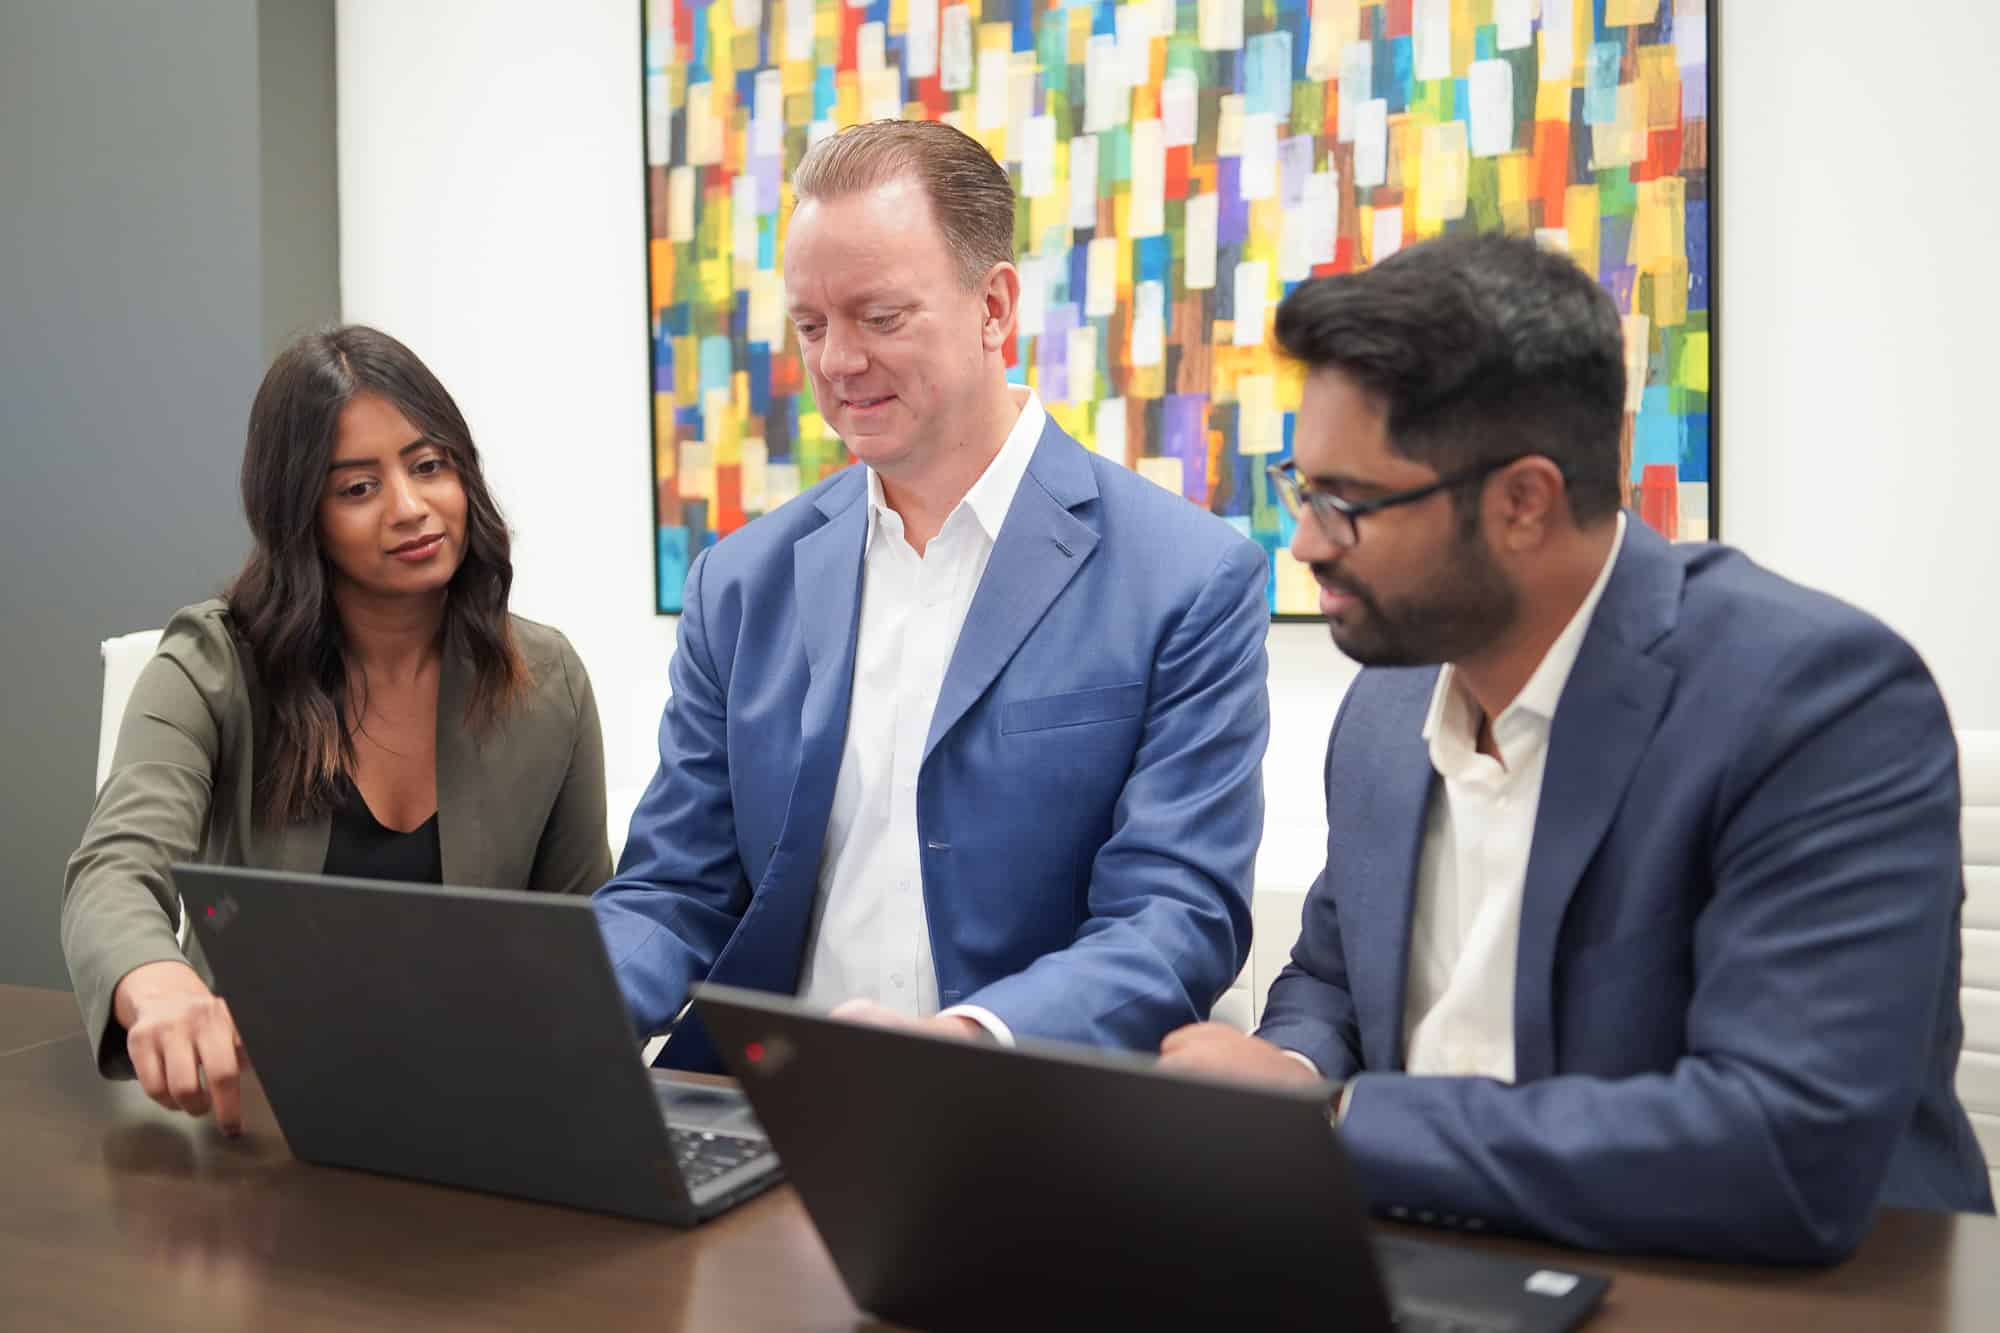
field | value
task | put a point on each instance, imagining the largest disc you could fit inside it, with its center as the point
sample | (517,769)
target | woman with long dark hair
(359,702)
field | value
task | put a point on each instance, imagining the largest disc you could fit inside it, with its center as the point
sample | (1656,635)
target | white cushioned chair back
(1979,1001)
(124,657)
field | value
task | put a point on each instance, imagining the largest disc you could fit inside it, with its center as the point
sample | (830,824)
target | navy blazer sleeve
(1835,858)
(1169,903)
(680,888)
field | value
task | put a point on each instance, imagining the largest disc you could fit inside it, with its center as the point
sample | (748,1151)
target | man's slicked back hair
(971,197)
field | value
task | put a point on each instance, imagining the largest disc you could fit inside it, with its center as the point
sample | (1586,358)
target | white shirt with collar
(871,936)
(1458,1002)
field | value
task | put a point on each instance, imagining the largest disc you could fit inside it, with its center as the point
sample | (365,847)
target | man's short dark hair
(1480,346)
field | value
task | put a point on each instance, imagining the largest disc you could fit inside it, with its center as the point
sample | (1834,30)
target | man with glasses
(1639,922)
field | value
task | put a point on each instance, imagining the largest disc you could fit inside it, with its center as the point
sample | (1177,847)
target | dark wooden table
(29,1017)
(117,1214)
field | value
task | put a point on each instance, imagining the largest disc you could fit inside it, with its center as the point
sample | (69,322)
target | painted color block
(1490,91)
(1371,143)
(1625,13)
(1109,437)
(1444,172)
(1253,281)
(1431,39)
(1219,24)
(1558,39)
(1167,473)
(1199,274)
(1149,180)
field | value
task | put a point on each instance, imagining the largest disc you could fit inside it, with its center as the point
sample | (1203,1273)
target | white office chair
(124,658)
(1979,998)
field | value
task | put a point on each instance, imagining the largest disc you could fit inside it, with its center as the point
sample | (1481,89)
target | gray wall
(167,189)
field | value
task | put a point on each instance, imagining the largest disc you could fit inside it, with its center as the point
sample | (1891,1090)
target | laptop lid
(473,1037)
(964,1186)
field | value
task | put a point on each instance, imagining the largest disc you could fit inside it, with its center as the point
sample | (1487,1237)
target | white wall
(1857,294)
(491,215)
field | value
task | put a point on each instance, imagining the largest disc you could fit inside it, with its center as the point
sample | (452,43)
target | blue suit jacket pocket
(1075,709)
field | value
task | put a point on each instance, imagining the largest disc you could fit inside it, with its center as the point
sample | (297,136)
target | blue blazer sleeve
(1837,884)
(680,887)
(1169,892)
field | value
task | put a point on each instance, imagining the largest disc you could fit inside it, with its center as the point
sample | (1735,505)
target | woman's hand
(182,1042)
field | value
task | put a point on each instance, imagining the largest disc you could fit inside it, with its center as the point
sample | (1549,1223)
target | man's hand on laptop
(882,1016)
(182,1041)
(1220,1051)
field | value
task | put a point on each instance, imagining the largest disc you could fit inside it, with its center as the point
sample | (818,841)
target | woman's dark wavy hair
(282,600)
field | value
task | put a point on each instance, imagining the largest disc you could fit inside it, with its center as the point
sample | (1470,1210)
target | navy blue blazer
(1089,801)
(1736,1002)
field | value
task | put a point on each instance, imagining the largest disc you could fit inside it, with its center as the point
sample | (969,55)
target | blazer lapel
(463,818)
(1041,546)
(826,587)
(1604,724)
(300,849)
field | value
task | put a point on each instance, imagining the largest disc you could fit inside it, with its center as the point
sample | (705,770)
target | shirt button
(896,981)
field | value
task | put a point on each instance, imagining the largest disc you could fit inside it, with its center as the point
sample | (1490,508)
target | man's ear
(1531,498)
(1000,294)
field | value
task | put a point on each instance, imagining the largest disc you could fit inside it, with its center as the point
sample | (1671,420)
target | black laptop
(471,1037)
(963,1186)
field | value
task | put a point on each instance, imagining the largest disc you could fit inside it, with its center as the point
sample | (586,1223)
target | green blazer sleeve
(574,855)
(119,907)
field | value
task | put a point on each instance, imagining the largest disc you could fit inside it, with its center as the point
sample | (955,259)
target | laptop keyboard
(704,1155)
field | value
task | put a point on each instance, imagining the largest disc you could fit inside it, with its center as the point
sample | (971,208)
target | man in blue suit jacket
(1639,921)
(1040,821)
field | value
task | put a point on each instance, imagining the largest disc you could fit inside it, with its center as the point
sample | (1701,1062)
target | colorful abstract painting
(1179,168)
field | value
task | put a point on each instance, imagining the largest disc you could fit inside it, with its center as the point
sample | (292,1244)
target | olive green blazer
(521,807)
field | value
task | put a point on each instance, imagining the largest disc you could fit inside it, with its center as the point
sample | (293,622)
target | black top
(361,848)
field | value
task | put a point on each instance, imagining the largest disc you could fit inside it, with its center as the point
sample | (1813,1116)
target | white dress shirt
(871,935)
(1458,1005)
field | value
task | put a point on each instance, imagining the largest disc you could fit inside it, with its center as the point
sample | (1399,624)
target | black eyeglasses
(1339,519)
